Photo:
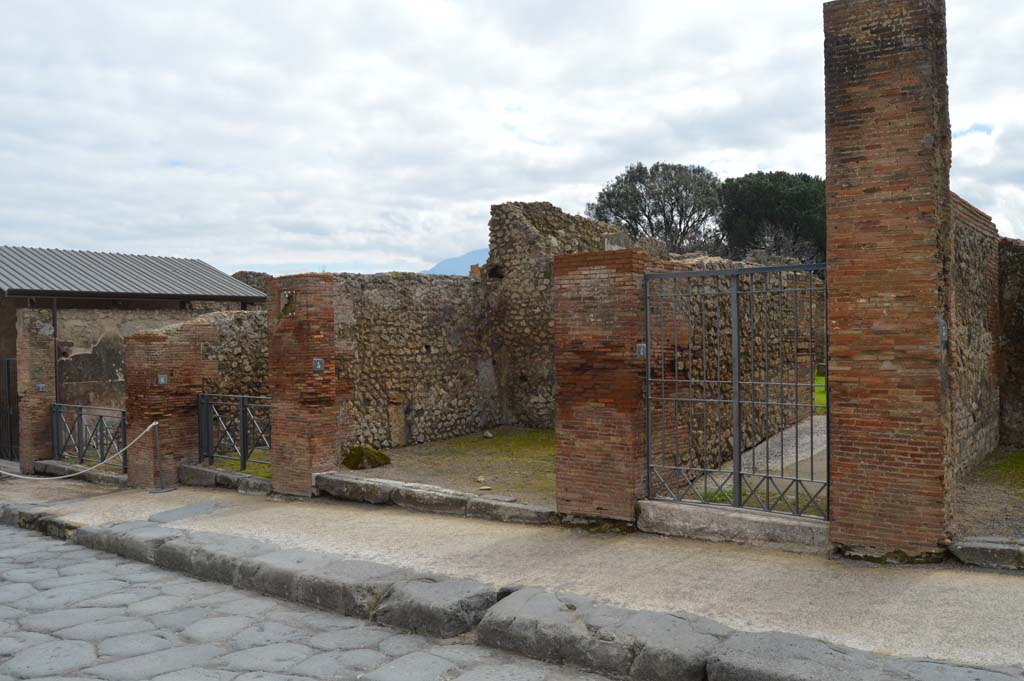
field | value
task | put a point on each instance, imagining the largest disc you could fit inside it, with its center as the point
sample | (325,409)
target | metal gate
(234,428)
(737,388)
(8,409)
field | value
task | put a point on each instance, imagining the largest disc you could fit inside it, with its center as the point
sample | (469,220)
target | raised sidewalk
(967,616)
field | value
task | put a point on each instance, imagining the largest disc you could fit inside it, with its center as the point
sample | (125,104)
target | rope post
(159,465)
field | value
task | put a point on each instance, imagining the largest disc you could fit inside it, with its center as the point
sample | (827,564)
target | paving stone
(31,575)
(154,664)
(50,658)
(265,633)
(9,613)
(198,674)
(20,640)
(55,620)
(504,672)
(402,644)
(350,639)
(136,644)
(107,628)
(340,663)
(69,580)
(437,608)
(216,628)
(461,654)
(15,591)
(246,605)
(68,595)
(176,620)
(277,657)
(268,676)
(413,667)
(193,588)
(156,605)
(276,573)
(126,596)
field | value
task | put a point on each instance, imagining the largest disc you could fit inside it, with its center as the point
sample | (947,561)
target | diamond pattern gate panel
(234,428)
(89,435)
(737,388)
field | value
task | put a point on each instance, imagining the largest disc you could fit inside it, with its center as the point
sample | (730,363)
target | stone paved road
(67,612)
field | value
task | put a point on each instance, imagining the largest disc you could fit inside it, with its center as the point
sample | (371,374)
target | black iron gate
(8,409)
(234,428)
(737,388)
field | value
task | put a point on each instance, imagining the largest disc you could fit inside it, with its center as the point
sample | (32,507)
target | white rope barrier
(116,455)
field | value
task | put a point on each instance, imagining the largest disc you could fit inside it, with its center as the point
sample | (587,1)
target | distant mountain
(459,264)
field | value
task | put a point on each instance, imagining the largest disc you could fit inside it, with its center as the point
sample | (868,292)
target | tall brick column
(175,352)
(305,405)
(889,224)
(600,419)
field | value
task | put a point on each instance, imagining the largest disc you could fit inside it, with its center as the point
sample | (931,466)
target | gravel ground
(991,498)
(70,612)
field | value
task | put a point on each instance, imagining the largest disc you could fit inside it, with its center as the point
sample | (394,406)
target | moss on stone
(364,456)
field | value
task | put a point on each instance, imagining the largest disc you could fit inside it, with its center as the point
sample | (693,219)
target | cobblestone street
(70,612)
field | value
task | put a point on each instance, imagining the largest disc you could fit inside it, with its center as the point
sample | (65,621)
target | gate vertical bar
(737,445)
(243,426)
(80,434)
(201,427)
(56,432)
(124,441)
(647,382)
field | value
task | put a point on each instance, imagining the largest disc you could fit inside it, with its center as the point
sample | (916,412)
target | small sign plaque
(162,379)
(318,365)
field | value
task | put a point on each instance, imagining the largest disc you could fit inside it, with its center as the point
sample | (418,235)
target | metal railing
(234,428)
(737,413)
(87,434)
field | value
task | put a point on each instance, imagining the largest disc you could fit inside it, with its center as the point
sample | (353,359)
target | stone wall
(1011,340)
(889,241)
(973,334)
(412,348)
(524,238)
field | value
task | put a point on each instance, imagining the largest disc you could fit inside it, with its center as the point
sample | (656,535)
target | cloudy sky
(367,136)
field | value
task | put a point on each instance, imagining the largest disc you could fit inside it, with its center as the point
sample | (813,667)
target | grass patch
(518,442)
(820,394)
(260,470)
(1006,468)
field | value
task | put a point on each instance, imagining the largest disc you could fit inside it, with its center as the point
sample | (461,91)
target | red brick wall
(35,384)
(888,156)
(600,421)
(177,352)
(306,419)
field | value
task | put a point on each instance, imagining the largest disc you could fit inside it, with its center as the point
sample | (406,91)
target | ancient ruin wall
(411,361)
(524,238)
(1011,340)
(973,334)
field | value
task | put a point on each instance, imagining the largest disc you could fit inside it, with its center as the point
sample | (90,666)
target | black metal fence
(234,428)
(737,386)
(88,435)
(8,409)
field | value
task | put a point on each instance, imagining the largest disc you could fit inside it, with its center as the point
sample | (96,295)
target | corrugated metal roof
(50,272)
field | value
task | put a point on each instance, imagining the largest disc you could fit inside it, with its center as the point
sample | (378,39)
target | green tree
(675,203)
(779,212)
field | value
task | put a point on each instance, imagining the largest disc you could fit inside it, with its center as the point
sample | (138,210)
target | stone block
(443,608)
(348,587)
(510,512)
(197,476)
(356,488)
(430,499)
(210,556)
(992,552)
(277,573)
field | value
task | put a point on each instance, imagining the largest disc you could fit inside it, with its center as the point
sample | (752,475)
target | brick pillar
(305,411)
(600,418)
(35,386)
(888,157)
(175,352)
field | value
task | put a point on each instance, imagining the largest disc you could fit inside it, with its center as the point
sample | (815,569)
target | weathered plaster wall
(973,334)
(1011,340)
(524,238)
(411,348)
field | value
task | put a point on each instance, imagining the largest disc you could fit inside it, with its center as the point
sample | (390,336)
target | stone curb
(555,627)
(431,499)
(992,552)
(53,467)
(208,476)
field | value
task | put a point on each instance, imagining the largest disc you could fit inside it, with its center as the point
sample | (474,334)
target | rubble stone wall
(973,334)
(1011,341)
(524,239)
(411,349)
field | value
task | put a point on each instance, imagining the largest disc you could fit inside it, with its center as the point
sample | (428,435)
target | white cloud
(375,135)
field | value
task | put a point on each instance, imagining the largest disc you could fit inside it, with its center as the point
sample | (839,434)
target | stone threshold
(1003,553)
(706,522)
(57,467)
(199,475)
(561,628)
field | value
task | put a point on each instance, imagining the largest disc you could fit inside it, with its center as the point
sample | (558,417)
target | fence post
(79,435)
(200,428)
(243,426)
(124,441)
(56,431)
(737,428)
